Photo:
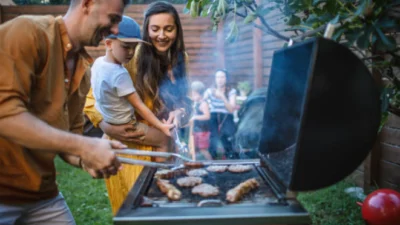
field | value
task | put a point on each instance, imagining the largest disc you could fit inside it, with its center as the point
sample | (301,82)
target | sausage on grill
(164,174)
(193,165)
(168,189)
(236,193)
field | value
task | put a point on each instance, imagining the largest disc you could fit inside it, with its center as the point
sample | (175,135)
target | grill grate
(224,181)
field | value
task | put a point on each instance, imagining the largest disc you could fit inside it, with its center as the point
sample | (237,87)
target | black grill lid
(321,117)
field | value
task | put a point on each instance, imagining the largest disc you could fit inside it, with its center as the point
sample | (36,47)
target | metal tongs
(179,159)
(181,149)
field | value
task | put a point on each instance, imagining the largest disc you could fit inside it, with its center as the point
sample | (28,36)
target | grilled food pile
(194,180)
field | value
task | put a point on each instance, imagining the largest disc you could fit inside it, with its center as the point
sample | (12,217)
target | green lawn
(87,199)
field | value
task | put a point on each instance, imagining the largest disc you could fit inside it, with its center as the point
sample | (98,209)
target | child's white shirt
(110,82)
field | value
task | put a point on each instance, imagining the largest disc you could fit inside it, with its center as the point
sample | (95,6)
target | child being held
(114,91)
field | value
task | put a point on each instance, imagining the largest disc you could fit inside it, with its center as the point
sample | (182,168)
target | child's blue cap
(128,31)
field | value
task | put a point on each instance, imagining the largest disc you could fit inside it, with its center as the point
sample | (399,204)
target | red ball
(382,207)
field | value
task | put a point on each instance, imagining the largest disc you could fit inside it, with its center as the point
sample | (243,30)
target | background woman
(222,102)
(159,74)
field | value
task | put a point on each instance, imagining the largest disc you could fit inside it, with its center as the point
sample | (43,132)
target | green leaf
(389,42)
(293,20)
(363,41)
(307,3)
(187,7)
(361,8)
(387,23)
(186,11)
(234,32)
(335,20)
(250,18)
(352,36)
(317,2)
(194,9)
(374,38)
(311,19)
(338,33)
(331,7)
(325,17)
(204,13)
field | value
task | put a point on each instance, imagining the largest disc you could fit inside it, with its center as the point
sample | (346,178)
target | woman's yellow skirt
(118,186)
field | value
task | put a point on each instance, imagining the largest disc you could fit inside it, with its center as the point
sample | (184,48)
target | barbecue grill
(320,121)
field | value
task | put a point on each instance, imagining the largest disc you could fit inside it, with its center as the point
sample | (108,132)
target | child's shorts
(138,126)
(201,139)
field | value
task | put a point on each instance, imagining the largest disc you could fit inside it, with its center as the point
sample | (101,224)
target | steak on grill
(189,181)
(205,190)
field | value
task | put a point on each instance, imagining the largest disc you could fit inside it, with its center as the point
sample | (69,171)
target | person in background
(222,101)
(200,120)
(113,89)
(43,84)
(159,74)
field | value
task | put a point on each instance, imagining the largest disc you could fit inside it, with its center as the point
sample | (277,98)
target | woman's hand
(166,129)
(175,116)
(123,132)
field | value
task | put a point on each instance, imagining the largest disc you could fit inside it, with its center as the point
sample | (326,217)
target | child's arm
(148,115)
(206,112)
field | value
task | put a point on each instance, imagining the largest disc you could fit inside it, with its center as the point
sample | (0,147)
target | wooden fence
(250,59)
(199,39)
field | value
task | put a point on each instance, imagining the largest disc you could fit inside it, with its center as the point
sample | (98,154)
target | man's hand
(97,154)
(124,132)
(96,174)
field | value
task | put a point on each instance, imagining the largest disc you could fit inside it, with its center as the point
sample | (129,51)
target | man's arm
(23,129)
(71,159)
(21,57)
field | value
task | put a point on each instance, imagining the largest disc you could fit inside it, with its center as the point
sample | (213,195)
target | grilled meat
(217,169)
(168,189)
(197,173)
(189,181)
(236,193)
(193,165)
(164,174)
(239,168)
(205,190)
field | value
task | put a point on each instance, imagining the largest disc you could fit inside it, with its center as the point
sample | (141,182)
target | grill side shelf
(140,187)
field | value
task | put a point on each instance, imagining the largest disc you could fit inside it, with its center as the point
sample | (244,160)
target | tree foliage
(367,27)
(66,2)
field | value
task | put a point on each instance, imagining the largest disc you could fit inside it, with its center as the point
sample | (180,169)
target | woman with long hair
(222,102)
(159,74)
